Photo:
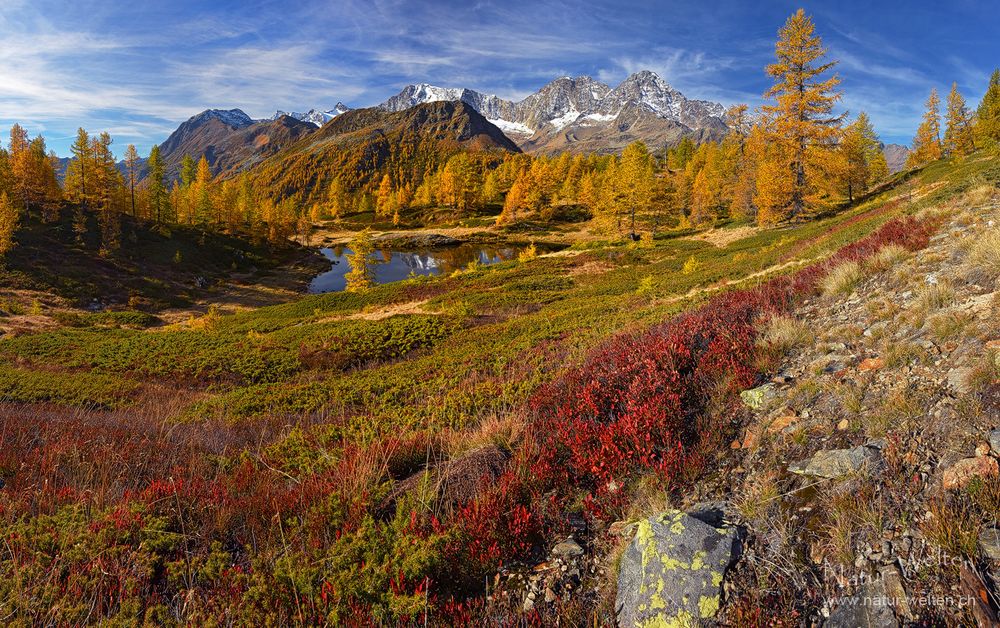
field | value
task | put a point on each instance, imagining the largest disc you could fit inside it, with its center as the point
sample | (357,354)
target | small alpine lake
(397,263)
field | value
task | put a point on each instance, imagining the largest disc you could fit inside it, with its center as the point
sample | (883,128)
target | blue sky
(138,68)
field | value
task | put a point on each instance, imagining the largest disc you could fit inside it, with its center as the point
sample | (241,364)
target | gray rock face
(995,441)
(835,463)
(568,548)
(989,541)
(869,609)
(958,379)
(672,571)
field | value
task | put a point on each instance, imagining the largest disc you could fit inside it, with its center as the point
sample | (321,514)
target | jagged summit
(319,117)
(235,118)
(582,113)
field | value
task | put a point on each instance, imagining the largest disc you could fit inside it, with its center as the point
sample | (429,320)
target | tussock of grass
(757,497)
(984,257)
(502,430)
(949,325)
(952,529)
(783,334)
(886,258)
(986,373)
(933,297)
(898,410)
(841,280)
(979,195)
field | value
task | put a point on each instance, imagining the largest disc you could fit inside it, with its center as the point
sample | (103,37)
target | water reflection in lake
(395,265)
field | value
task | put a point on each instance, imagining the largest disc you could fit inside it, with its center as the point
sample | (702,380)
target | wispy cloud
(139,67)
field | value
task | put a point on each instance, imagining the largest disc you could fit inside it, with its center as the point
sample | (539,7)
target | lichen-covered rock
(671,573)
(757,398)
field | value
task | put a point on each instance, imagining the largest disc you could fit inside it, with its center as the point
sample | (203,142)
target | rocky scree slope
(869,466)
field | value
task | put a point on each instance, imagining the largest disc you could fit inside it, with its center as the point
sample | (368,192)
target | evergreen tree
(107,182)
(803,122)
(336,198)
(959,139)
(154,182)
(637,181)
(20,165)
(189,171)
(202,197)
(8,224)
(78,171)
(988,113)
(385,198)
(131,173)
(927,142)
(861,159)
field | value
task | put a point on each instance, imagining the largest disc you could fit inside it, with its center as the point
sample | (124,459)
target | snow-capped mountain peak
(319,117)
(234,118)
(567,109)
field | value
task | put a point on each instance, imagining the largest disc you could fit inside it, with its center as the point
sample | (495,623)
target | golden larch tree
(988,113)
(802,113)
(8,224)
(959,139)
(927,142)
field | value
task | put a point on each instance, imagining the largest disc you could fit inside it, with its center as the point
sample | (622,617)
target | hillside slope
(229,140)
(477,447)
(870,469)
(361,145)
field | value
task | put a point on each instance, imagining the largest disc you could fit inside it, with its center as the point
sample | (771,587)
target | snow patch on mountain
(598,118)
(565,119)
(509,128)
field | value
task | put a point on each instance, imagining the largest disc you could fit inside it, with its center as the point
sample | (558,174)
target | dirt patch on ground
(725,237)
(413,307)
(590,268)
(915,195)
(377,314)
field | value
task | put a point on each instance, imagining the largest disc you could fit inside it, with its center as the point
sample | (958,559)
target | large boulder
(835,463)
(672,571)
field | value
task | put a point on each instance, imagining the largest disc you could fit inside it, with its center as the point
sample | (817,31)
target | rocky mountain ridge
(319,117)
(582,114)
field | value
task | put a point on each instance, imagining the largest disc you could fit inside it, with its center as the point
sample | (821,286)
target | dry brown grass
(501,429)
(949,325)
(983,261)
(951,527)
(841,280)
(886,258)
(900,408)
(979,195)
(934,296)
(757,497)
(784,333)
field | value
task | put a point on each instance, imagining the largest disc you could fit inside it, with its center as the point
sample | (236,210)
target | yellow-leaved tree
(958,135)
(802,124)
(862,162)
(8,224)
(988,113)
(362,274)
(927,142)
